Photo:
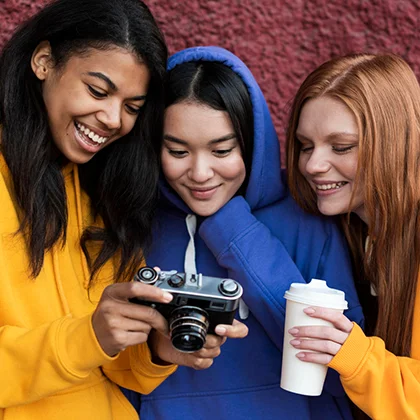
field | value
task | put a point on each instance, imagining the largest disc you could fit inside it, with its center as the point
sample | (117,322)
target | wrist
(153,345)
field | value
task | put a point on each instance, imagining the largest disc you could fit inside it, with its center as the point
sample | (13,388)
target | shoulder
(285,214)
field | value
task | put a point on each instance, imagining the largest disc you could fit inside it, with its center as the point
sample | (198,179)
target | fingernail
(167,297)
(309,311)
(300,355)
(220,330)
(293,331)
(295,342)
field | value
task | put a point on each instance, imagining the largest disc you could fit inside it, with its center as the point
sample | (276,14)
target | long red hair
(384,96)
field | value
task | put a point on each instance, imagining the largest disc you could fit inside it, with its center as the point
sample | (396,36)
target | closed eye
(222,153)
(343,149)
(96,93)
(178,153)
(306,149)
(133,110)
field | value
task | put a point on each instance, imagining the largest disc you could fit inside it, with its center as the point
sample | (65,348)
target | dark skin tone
(119,323)
(91,92)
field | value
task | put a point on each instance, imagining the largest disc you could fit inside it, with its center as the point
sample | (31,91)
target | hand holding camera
(118,323)
(163,349)
(199,305)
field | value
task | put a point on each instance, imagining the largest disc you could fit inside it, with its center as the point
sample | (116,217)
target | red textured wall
(281,41)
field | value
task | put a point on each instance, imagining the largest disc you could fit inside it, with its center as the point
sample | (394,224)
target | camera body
(200,303)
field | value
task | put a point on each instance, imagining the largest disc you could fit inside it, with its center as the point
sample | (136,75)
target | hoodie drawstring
(189,261)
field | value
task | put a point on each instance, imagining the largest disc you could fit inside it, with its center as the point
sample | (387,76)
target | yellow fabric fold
(51,364)
(383,385)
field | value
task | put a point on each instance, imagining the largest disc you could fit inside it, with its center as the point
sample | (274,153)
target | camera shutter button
(176,281)
(228,287)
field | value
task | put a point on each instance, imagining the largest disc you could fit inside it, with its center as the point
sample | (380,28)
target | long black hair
(216,85)
(121,179)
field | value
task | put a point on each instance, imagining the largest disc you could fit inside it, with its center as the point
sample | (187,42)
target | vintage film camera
(200,303)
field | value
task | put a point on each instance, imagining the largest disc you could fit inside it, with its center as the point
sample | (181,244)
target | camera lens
(147,275)
(188,326)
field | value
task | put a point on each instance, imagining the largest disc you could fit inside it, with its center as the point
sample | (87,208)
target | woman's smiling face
(93,100)
(201,156)
(329,139)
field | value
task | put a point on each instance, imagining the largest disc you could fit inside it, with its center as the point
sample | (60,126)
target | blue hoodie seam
(257,280)
(232,245)
(151,397)
(321,263)
(236,238)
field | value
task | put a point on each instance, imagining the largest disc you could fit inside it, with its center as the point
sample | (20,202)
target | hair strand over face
(126,172)
(384,95)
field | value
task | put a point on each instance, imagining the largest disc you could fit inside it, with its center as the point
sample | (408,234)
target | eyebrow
(173,139)
(332,136)
(112,85)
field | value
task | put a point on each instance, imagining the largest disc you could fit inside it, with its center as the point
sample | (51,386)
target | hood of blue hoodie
(265,184)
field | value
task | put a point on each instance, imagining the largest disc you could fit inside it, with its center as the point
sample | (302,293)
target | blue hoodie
(266,242)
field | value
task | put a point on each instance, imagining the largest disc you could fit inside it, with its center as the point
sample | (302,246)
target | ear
(41,62)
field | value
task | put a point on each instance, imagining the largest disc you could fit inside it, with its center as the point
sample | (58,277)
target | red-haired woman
(353,151)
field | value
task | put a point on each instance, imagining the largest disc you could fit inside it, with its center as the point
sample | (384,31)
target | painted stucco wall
(280,40)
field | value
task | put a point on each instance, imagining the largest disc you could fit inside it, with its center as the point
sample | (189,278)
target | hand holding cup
(323,342)
(307,378)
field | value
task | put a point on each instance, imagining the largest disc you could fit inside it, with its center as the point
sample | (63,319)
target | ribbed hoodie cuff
(352,354)
(141,362)
(234,219)
(78,348)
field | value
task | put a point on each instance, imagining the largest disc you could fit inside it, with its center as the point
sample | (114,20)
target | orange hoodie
(383,385)
(51,364)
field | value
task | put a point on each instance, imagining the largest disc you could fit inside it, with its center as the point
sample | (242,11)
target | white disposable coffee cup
(300,377)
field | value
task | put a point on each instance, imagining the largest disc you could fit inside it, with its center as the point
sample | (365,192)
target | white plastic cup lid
(317,293)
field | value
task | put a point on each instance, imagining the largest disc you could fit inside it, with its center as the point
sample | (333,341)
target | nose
(317,163)
(110,115)
(201,170)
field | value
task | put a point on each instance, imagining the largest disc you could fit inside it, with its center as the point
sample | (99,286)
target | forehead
(124,68)
(195,122)
(324,115)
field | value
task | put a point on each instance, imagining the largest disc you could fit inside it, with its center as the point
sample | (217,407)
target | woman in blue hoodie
(225,211)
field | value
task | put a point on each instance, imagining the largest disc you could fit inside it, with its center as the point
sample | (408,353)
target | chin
(78,158)
(205,212)
(330,211)
(79,161)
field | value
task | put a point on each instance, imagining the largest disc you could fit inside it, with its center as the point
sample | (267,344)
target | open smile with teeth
(334,186)
(90,134)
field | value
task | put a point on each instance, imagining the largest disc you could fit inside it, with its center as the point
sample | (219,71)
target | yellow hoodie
(51,364)
(383,385)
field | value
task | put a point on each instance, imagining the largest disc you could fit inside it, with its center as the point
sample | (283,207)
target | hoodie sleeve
(39,362)
(135,370)
(383,385)
(262,264)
